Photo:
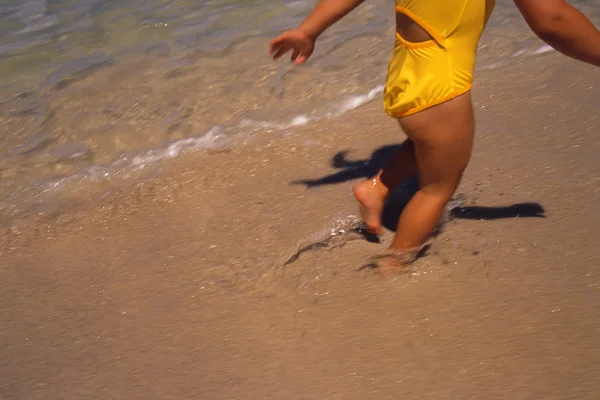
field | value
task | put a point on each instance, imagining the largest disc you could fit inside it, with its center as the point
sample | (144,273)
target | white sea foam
(216,138)
(354,102)
(213,139)
(543,49)
(336,109)
(540,50)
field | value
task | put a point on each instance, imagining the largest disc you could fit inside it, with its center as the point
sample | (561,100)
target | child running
(428,89)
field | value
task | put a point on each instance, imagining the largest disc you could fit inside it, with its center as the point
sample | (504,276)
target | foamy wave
(298,120)
(348,104)
(540,50)
(519,53)
(543,49)
(213,139)
(357,101)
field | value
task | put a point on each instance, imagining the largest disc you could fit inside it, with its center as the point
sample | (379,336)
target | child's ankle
(379,186)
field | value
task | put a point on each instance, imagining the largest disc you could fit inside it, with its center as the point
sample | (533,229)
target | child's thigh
(443,137)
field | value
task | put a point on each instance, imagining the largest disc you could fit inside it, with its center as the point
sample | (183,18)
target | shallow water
(95,90)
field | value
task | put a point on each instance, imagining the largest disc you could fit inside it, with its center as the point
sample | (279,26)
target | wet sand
(175,287)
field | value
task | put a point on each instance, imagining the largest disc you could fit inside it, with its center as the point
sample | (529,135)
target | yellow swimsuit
(424,74)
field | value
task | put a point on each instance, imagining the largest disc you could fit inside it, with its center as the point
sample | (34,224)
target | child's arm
(325,14)
(302,40)
(563,27)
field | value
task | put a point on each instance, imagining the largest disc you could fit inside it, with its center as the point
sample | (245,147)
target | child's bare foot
(390,267)
(393,263)
(371,197)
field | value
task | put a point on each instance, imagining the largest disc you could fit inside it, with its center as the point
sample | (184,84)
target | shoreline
(96,114)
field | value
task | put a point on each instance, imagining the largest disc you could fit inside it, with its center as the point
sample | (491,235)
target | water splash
(339,231)
(342,229)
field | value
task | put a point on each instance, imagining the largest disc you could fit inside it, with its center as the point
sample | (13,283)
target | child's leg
(372,193)
(443,139)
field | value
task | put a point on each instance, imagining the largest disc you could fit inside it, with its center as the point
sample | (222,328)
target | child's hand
(296,40)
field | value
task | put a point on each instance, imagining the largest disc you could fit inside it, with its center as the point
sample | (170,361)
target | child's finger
(273,50)
(305,53)
(276,41)
(300,59)
(295,54)
(274,46)
(280,51)
(276,55)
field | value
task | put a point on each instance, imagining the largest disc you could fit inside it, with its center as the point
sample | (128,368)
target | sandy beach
(178,286)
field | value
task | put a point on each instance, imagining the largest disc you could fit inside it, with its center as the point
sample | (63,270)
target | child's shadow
(350,170)
(456,210)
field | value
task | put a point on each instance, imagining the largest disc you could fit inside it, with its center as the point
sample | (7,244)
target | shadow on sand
(363,169)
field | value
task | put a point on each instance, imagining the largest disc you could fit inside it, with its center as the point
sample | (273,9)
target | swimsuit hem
(435,102)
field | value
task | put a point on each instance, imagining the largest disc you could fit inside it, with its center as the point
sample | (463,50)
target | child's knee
(442,184)
(440,193)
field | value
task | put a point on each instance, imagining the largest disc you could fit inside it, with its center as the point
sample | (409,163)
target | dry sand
(174,288)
